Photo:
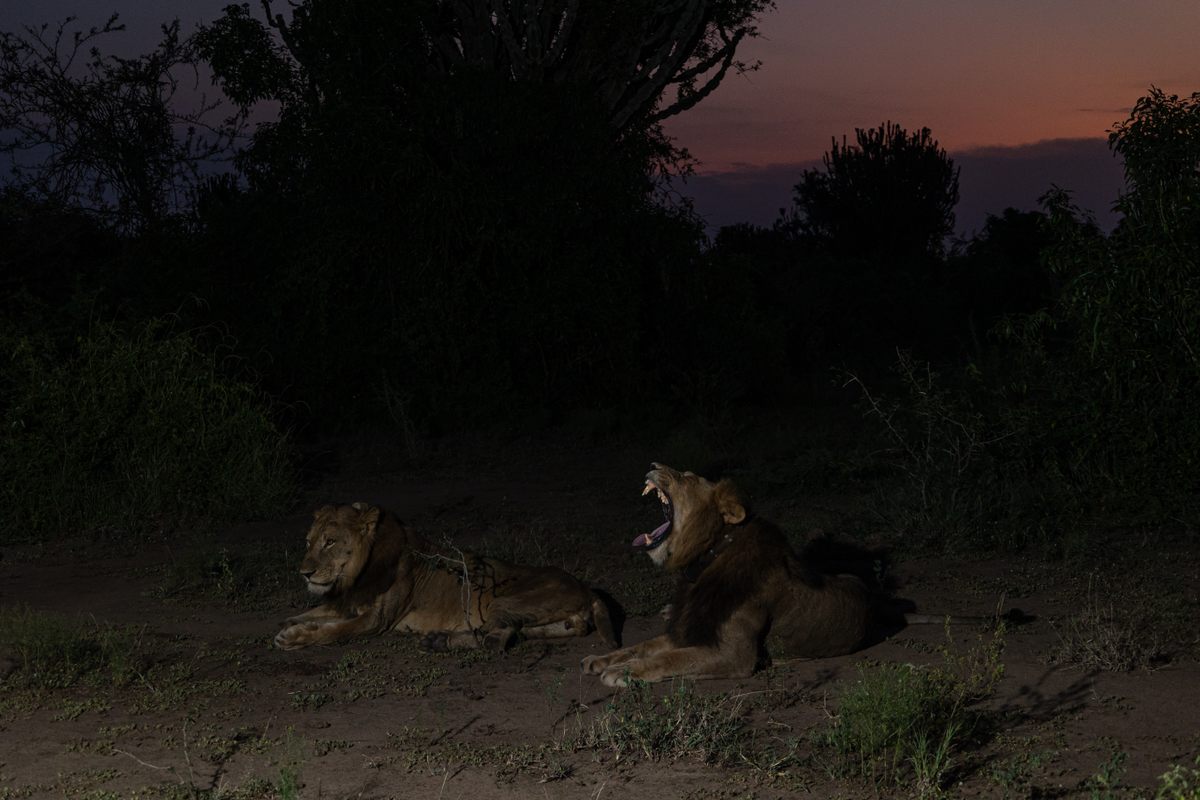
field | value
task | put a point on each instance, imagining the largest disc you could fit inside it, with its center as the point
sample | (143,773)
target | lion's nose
(306,573)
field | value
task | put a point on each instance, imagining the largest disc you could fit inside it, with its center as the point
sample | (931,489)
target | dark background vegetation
(456,221)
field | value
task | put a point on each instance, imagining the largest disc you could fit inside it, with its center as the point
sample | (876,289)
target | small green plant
(681,723)
(1013,774)
(288,785)
(1179,783)
(1105,784)
(903,724)
(52,652)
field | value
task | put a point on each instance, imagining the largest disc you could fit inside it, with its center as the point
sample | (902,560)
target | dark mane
(392,542)
(704,604)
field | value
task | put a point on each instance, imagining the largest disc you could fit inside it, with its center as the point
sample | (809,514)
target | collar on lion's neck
(693,570)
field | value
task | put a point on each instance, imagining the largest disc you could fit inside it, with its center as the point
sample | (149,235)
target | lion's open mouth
(649,541)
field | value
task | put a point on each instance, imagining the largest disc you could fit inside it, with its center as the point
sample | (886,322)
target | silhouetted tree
(101,132)
(462,190)
(1002,271)
(1107,377)
(642,60)
(889,196)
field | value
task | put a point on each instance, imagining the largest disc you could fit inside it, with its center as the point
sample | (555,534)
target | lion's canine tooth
(648,487)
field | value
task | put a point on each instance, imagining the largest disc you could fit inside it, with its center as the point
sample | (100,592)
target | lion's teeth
(647,488)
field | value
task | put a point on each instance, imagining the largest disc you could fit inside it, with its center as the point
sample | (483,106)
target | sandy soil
(381,719)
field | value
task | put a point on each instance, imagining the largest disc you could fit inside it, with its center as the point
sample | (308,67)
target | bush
(904,724)
(944,447)
(1103,382)
(130,433)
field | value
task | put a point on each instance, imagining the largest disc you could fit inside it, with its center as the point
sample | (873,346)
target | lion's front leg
(594,665)
(312,632)
(735,657)
(317,613)
(681,662)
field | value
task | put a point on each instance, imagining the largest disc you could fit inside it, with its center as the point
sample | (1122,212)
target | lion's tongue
(651,539)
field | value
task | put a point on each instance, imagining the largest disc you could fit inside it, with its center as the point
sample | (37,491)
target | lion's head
(696,510)
(338,545)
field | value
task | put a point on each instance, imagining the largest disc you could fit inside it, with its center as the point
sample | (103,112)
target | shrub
(905,724)
(944,448)
(1103,381)
(130,433)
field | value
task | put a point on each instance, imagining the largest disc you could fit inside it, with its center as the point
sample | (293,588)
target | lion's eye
(328,543)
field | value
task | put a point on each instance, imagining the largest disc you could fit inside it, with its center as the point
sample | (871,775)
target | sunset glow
(978,74)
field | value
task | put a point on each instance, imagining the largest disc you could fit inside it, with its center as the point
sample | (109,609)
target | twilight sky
(1020,92)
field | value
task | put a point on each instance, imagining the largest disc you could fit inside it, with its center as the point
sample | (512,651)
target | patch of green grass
(367,673)
(907,725)
(53,652)
(323,747)
(421,749)
(1014,773)
(682,723)
(310,701)
(74,709)
(247,578)
(1105,784)
(1179,783)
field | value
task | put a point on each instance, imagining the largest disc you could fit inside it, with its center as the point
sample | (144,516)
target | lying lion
(739,580)
(377,575)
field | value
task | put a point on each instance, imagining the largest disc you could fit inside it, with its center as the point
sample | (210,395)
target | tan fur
(740,582)
(377,575)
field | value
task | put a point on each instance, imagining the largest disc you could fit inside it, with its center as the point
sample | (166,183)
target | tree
(642,60)
(1110,372)
(100,132)
(889,197)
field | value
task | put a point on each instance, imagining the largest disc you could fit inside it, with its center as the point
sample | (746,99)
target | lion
(375,575)
(739,581)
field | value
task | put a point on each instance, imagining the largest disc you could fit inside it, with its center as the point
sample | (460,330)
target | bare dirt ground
(216,712)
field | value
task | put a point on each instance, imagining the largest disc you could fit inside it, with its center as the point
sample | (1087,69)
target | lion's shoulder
(754,555)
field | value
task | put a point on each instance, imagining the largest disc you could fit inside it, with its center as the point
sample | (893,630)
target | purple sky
(1021,93)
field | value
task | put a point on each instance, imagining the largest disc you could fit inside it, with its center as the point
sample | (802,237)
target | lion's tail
(603,621)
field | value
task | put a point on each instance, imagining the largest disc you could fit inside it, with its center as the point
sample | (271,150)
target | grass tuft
(682,723)
(902,724)
(52,652)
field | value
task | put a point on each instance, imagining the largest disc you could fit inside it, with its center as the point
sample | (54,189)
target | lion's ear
(368,518)
(730,503)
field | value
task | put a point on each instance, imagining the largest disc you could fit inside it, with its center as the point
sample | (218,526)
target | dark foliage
(885,200)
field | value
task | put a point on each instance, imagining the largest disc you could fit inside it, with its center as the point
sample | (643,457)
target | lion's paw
(616,677)
(436,642)
(592,665)
(295,636)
